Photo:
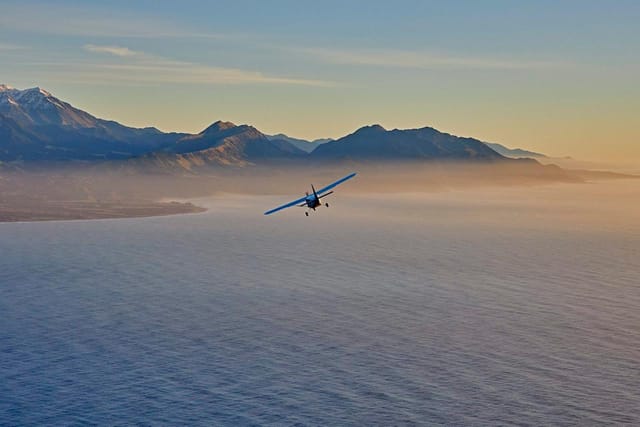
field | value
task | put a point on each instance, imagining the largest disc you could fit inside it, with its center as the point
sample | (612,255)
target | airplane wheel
(326,204)
(306,213)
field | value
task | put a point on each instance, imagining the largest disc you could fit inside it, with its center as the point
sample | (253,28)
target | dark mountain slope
(376,143)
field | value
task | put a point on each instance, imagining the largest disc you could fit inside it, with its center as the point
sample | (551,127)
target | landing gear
(326,204)
(306,213)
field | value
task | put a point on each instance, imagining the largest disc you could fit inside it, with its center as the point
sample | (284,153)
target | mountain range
(35,126)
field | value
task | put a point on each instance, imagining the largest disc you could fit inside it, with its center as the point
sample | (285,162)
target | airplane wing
(288,205)
(338,182)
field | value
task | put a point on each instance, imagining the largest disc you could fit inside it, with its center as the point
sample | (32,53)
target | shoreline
(74,210)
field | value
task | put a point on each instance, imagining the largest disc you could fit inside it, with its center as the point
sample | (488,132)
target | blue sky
(554,76)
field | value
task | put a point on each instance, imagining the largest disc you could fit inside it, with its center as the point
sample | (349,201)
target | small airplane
(312,201)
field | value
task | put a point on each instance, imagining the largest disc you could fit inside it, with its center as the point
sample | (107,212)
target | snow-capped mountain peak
(36,106)
(34,97)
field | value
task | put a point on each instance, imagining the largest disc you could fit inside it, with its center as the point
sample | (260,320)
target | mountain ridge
(374,142)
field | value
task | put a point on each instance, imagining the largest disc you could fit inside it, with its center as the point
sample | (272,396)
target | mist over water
(482,306)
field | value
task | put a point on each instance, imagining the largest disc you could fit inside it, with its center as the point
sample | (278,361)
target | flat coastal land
(73,210)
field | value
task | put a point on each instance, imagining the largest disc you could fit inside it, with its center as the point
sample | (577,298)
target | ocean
(494,306)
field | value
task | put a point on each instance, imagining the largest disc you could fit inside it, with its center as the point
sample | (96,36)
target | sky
(559,77)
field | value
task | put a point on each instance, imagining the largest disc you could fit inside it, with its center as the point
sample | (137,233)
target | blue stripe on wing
(338,182)
(288,205)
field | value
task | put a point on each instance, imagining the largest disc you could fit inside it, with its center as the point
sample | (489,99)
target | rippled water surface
(485,307)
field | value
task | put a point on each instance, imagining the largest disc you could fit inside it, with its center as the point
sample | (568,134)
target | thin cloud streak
(176,72)
(419,60)
(112,50)
(142,68)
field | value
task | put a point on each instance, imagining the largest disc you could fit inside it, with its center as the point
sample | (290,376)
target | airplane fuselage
(312,201)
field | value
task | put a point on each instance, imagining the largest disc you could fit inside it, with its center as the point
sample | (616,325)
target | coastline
(76,210)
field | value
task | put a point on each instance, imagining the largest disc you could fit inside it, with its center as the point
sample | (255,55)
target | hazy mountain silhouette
(515,153)
(303,144)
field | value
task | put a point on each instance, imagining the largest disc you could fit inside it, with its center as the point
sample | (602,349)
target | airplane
(312,201)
